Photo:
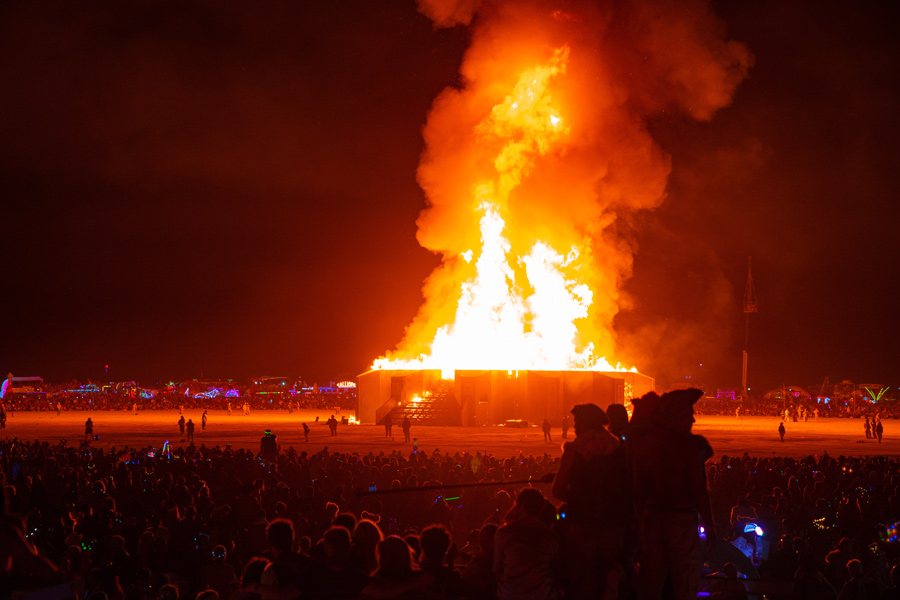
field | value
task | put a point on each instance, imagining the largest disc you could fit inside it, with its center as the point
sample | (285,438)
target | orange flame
(496,325)
(528,168)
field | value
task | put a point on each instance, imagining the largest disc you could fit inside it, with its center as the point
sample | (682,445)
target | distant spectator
(545,427)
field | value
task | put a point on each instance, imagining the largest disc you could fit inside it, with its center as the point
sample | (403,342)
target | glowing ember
(529,165)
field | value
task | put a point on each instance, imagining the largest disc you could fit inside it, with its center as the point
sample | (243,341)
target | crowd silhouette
(120,400)
(618,516)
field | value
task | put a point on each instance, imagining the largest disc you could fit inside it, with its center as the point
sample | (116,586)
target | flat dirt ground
(757,436)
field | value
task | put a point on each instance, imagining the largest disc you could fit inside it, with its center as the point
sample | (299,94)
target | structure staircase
(438,407)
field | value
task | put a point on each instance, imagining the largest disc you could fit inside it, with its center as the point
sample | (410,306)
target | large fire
(530,169)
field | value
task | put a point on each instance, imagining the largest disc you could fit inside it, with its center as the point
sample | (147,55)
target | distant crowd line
(801,411)
(117,401)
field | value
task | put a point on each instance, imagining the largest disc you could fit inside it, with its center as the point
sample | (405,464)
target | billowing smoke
(599,71)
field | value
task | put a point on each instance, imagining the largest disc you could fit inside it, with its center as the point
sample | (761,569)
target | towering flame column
(514,312)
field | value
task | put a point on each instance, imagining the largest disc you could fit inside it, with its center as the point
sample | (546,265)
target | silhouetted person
(388,425)
(526,552)
(478,576)
(836,563)
(2,418)
(181,425)
(406,425)
(809,583)
(203,420)
(268,446)
(396,575)
(89,428)
(338,569)
(565,427)
(189,428)
(168,591)
(670,493)
(781,431)
(436,554)
(892,592)
(285,575)
(868,428)
(332,425)
(23,567)
(742,513)
(879,430)
(594,482)
(859,587)
(305,432)
(218,574)
(545,427)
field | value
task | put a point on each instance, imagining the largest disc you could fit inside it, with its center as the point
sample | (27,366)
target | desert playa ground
(757,436)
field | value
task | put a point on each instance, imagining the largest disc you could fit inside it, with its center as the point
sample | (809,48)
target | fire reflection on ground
(756,435)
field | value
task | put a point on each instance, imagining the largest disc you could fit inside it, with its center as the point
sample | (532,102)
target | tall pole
(749,307)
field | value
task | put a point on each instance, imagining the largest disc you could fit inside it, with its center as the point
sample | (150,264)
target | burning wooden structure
(490,397)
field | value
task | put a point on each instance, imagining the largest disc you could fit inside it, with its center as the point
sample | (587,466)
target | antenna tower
(749,307)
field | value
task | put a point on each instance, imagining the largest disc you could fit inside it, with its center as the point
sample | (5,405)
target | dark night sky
(230,189)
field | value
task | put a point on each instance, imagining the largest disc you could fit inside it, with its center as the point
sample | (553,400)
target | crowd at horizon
(790,410)
(802,410)
(95,400)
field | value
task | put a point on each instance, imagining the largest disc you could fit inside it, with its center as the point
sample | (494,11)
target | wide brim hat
(675,403)
(645,407)
(589,416)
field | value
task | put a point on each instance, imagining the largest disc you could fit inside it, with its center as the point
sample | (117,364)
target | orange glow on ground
(756,435)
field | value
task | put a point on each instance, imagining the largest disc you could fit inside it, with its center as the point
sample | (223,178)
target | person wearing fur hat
(594,482)
(670,492)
